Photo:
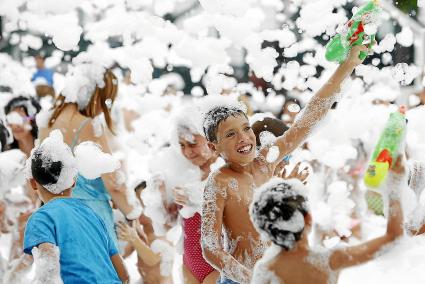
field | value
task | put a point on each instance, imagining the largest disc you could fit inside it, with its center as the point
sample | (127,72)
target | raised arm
(212,219)
(318,106)
(359,254)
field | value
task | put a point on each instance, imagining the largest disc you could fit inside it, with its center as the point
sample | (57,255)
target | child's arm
(46,259)
(115,187)
(358,254)
(213,251)
(318,106)
(119,266)
(129,234)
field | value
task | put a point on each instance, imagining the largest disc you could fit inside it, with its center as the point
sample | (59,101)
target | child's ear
(33,184)
(308,220)
(212,147)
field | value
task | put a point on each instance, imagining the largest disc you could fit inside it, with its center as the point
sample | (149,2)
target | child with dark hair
(20,116)
(65,236)
(280,212)
(274,126)
(229,190)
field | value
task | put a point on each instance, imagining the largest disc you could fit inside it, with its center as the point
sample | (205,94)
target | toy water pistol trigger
(387,149)
(360,30)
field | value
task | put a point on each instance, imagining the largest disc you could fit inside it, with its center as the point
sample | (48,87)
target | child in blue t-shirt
(65,236)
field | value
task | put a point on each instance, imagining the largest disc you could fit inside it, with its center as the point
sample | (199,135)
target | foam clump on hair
(278,211)
(92,162)
(185,125)
(215,109)
(81,82)
(52,164)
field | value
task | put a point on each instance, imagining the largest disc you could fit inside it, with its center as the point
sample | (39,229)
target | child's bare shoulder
(220,179)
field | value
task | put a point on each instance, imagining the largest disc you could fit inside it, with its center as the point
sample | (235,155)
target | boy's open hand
(295,173)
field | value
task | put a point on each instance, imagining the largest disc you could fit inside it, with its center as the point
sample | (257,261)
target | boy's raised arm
(213,251)
(359,254)
(318,106)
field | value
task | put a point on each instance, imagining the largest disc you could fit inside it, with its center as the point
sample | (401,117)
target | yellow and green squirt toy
(355,32)
(387,149)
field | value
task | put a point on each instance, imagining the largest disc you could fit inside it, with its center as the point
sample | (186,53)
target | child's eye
(230,134)
(192,145)
(247,128)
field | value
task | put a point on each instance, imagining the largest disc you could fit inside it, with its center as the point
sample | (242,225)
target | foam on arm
(359,254)
(46,259)
(315,111)
(213,251)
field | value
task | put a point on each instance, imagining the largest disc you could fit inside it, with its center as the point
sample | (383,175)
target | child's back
(84,244)
(301,268)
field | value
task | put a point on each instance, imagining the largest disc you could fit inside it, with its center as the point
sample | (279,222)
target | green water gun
(353,34)
(387,149)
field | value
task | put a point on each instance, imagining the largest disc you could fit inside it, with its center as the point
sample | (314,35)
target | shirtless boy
(229,190)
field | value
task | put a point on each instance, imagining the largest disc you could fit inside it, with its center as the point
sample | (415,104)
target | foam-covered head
(192,144)
(278,211)
(21,113)
(52,164)
(93,88)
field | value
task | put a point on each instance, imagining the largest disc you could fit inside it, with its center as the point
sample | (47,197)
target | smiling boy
(229,191)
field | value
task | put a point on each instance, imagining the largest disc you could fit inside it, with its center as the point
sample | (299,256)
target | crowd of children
(218,197)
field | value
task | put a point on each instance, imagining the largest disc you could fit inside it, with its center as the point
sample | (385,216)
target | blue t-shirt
(46,74)
(84,243)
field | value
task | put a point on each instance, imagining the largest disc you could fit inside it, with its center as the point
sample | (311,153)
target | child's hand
(127,233)
(354,57)
(280,168)
(296,173)
(180,197)
(399,167)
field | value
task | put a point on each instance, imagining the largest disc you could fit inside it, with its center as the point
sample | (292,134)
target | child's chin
(244,160)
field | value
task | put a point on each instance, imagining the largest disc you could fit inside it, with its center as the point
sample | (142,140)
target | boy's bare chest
(240,192)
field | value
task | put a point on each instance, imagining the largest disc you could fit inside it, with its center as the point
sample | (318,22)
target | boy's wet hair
(215,116)
(273,125)
(278,212)
(45,172)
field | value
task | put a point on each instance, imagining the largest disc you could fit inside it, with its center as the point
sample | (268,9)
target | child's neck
(240,168)
(301,247)
(205,168)
(51,196)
